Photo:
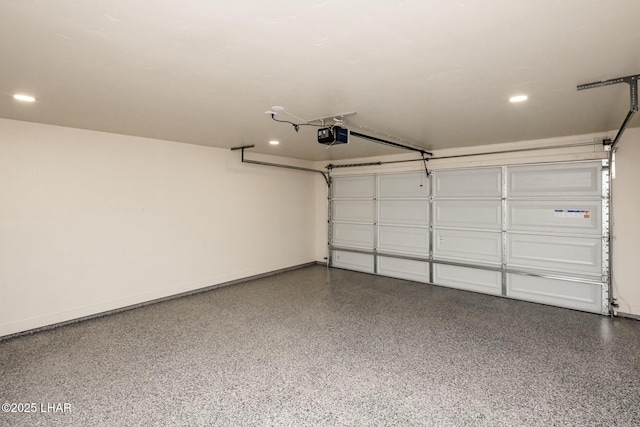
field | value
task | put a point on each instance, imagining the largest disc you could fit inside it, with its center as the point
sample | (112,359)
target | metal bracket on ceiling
(337,117)
(632,81)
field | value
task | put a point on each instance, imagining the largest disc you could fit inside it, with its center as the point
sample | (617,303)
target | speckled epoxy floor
(320,347)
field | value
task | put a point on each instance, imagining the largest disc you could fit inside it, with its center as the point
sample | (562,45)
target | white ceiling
(436,73)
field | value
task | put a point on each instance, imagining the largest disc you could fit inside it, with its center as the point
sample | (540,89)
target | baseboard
(628,315)
(155,301)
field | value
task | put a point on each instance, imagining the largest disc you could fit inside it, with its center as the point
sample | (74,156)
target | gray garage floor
(329,347)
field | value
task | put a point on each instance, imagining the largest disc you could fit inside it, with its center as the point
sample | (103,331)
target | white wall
(92,221)
(626,223)
(626,200)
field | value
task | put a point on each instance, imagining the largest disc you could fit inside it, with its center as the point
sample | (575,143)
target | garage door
(537,232)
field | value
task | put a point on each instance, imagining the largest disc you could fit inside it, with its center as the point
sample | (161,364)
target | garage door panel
(357,186)
(480,214)
(353,210)
(471,246)
(353,261)
(409,240)
(566,216)
(559,180)
(468,183)
(469,279)
(409,212)
(556,253)
(403,185)
(404,269)
(569,294)
(353,235)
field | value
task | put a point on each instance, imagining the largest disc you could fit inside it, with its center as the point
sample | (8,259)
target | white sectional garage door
(537,232)
(467,228)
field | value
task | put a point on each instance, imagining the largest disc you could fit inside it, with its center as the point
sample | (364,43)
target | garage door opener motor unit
(333,135)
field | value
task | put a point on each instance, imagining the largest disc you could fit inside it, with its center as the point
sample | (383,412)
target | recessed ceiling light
(518,98)
(274,142)
(277,108)
(24,98)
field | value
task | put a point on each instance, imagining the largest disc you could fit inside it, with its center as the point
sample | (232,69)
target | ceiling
(431,73)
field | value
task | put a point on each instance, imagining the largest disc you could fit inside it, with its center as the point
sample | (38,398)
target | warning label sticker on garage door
(572,213)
